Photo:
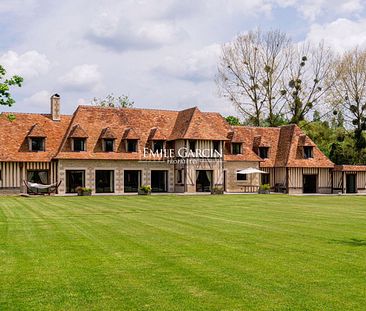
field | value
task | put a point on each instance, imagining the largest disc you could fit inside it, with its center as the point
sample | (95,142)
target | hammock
(40,186)
(52,188)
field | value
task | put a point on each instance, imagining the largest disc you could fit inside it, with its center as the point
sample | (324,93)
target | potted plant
(82,191)
(264,189)
(217,190)
(145,190)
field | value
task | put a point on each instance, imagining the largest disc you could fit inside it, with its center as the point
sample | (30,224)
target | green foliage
(233,120)
(5,85)
(265,187)
(146,188)
(110,100)
(83,190)
(337,143)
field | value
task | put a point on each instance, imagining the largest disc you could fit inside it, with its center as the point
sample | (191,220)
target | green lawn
(232,252)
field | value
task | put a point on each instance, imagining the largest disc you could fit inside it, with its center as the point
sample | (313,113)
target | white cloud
(312,9)
(81,78)
(341,34)
(30,64)
(196,66)
(118,33)
(17,6)
(40,99)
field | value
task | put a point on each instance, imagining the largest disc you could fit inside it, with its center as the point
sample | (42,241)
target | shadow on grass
(351,242)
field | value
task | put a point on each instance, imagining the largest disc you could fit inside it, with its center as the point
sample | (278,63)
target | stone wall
(90,166)
(234,185)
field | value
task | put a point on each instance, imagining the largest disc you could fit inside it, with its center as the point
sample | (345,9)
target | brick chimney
(55,107)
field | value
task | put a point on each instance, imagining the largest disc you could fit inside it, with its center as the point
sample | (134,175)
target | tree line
(273,81)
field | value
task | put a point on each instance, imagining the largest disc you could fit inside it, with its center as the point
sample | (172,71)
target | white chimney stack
(55,107)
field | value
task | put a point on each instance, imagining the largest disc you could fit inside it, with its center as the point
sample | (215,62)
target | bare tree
(306,81)
(250,72)
(348,93)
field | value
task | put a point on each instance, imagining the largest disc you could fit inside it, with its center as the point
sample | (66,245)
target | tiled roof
(13,137)
(157,134)
(194,124)
(36,131)
(350,168)
(285,146)
(78,132)
(107,133)
(130,133)
(295,156)
(285,143)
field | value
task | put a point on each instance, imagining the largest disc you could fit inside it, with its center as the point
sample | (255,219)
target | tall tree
(110,100)
(250,72)
(349,93)
(306,81)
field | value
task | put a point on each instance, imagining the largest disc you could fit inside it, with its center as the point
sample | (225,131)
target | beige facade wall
(12,174)
(276,176)
(339,181)
(295,179)
(214,165)
(233,185)
(90,166)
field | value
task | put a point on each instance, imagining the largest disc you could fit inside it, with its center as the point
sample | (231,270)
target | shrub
(217,190)
(265,187)
(145,188)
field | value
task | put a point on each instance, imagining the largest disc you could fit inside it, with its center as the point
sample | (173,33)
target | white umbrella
(251,170)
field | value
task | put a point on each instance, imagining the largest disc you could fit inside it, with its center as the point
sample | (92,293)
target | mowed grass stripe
(183,253)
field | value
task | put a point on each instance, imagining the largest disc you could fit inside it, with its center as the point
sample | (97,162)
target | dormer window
(263,152)
(158,145)
(236,148)
(308,152)
(108,145)
(79,144)
(37,144)
(131,145)
(36,138)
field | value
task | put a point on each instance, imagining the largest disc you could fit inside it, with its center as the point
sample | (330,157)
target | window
(236,148)
(308,152)
(104,181)
(74,179)
(180,176)
(192,145)
(216,145)
(263,152)
(79,144)
(132,180)
(108,145)
(265,179)
(241,176)
(37,144)
(158,145)
(131,145)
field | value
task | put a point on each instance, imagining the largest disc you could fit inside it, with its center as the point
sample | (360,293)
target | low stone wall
(9,191)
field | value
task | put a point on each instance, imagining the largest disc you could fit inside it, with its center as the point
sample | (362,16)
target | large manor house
(117,150)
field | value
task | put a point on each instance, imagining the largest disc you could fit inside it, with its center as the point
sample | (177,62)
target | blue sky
(163,54)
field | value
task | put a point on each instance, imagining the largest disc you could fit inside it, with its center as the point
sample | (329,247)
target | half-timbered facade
(115,151)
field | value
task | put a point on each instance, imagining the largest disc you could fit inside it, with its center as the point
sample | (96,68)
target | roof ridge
(127,108)
(190,119)
(67,132)
(291,144)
